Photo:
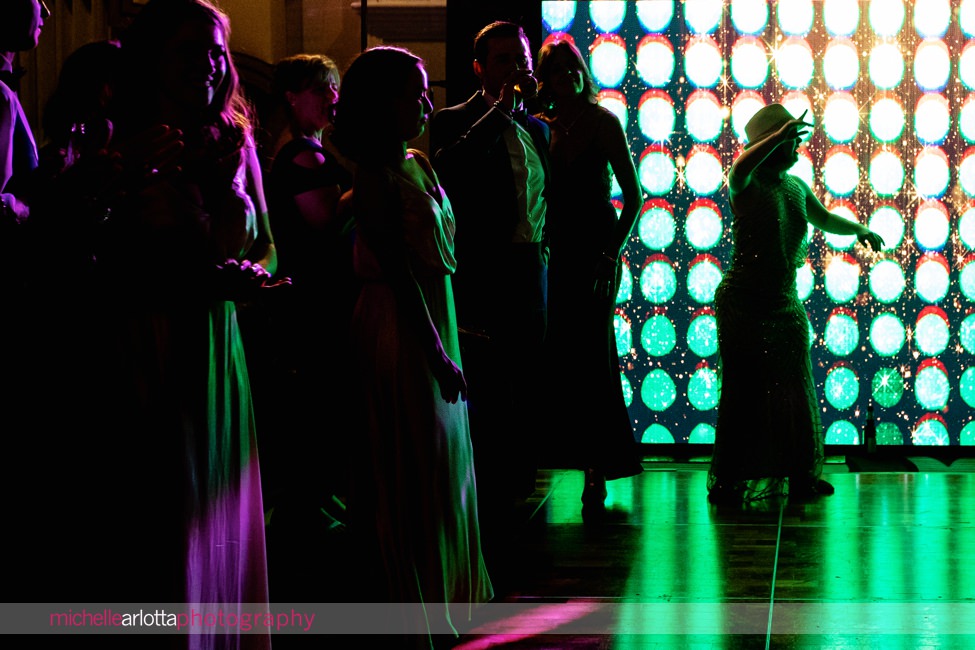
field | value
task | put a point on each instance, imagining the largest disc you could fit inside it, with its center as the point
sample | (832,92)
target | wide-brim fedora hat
(766,120)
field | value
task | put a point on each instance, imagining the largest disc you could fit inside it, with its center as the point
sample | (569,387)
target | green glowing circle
(703,389)
(658,391)
(931,388)
(624,334)
(659,336)
(967,280)
(626,285)
(657,434)
(658,282)
(887,387)
(967,436)
(931,335)
(887,281)
(841,334)
(627,389)
(931,433)
(889,434)
(966,386)
(656,228)
(702,335)
(702,281)
(842,432)
(887,334)
(702,434)
(658,173)
(966,333)
(842,387)
(842,280)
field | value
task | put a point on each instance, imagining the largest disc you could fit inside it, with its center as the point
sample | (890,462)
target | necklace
(568,127)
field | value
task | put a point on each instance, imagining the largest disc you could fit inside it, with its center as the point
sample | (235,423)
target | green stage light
(659,336)
(657,434)
(658,282)
(658,391)
(842,387)
(656,227)
(624,334)
(842,432)
(887,387)
(703,389)
(702,334)
(657,171)
(842,334)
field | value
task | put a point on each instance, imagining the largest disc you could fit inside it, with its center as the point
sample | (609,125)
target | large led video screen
(890,88)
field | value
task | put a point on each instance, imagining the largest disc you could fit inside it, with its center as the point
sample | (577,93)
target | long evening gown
(418,496)
(768,423)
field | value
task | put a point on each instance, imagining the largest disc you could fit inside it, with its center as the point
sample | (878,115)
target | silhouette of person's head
(563,73)
(307,85)
(82,99)
(499,49)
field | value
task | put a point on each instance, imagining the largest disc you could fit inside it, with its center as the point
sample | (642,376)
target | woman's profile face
(314,106)
(194,65)
(413,107)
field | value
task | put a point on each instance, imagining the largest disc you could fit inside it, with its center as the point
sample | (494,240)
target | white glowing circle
(842,279)
(931,18)
(744,107)
(966,119)
(887,222)
(794,63)
(749,16)
(841,173)
(932,64)
(886,334)
(608,63)
(654,62)
(703,62)
(932,118)
(703,227)
(803,168)
(931,281)
(654,15)
(841,16)
(704,117)
(931,227)
(703,173)
(886,173)
(887,281)
(795,17)
(966,228)
(886,66)
(886,17)
(805,281)
(607,16)
(931,334)
(657,228)
(558,16)
(615,104)
(887,119)
(966,17)
(966,174)
(841,117)
(841,64)
(841,242)
(931,172)
(703,16)
(749,62)
(797,103)
(656,118)
(657,172)
(966,66)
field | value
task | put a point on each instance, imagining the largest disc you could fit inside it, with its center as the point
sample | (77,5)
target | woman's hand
(450,378)
(795,129)
(869,238)
(605,274)
(240,281)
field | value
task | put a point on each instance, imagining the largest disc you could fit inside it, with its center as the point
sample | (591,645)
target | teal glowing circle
(704,116)
(794,63)
(702,335)
(967,436)
(887,281)
(805,281)
(841,64)
(966,228)
(886,18)
(703,227)
(931,280)
(932,119)
(654,16)
(606,16)
(749,16)
(655,63)
(657,434)
(889,434)
(932,433)
(659,336)
(841,18)
(967,280)
(887,222)
(887,334)
(842,432)
(626,285)
(749,63)
(932,388)
(841,117)
(887,119)
(966,333)
(932,65)
(657,228)
(932,227)
(841,334)
(931,19)
(703,389)
(704,173)
(931,335)
(658,173)
(932,173)
(624,335)
(887,387)
(702,281)
(703,62)
(658,282)
(658,391)
(966,386)
(703,16)
(558,16)
(886,66)
(702,434)
(886,173)
(842,388)
(842,279)
(608,62)
(812,335)
(656,119)
(841,173)
(627,390)
(795,18)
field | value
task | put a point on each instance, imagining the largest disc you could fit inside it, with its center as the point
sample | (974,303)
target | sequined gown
(768,424)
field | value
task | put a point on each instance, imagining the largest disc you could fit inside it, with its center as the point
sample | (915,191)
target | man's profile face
(504,56)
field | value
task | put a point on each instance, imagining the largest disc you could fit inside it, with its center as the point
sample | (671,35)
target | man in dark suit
(492,160)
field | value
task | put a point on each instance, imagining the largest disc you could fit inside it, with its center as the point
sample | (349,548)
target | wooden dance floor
(886,562)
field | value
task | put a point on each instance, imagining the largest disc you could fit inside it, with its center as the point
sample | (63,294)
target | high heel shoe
(593,494)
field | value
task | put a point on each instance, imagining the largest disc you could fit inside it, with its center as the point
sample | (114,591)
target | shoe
(594,491)
(810,488)
(724,495)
